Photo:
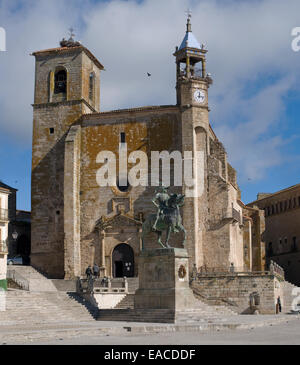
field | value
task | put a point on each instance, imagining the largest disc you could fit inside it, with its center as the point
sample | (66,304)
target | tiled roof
(144,108)
(190,41)
(68,49)
(6,187)
(297,186)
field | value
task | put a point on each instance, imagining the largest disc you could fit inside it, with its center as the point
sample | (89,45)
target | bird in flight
(148,74)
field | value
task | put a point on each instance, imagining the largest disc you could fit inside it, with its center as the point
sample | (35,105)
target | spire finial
(72,34)
(188,24)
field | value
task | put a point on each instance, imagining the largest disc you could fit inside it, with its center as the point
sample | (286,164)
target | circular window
(123,188)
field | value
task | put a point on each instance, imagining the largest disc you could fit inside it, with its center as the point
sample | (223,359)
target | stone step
(133,316)
(152,315)
(45,307)
(220,308)
(37,281)
(127,302)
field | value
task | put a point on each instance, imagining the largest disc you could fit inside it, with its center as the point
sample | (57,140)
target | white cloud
(248,43)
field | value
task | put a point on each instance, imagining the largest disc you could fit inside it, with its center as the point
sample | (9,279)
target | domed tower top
(189,39)
(190,53)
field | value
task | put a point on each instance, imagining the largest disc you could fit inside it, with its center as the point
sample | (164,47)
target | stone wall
(155,129)
(282,234)
(52,118)
(235,290)
(67,202)
(72,257)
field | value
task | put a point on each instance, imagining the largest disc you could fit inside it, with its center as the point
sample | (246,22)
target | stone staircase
(142,315)
(288,297)
(161,315)
(200,312)
(126,303)
(24,307)
(218,305)
(43,303)
(31,279)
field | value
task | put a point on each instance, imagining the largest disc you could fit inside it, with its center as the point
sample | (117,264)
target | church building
(76,223)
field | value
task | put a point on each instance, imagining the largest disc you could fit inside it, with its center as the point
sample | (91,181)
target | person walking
(89,272)
(96,271)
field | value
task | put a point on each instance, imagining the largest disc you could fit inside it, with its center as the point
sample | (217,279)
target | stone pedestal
(164,280)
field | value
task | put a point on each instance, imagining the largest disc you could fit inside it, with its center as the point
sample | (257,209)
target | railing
(3,246)
(3,214)
(232,213)
(227,214)
(19,279)
(197,72)
(215,271)
(236,215)
(103,285)
(232,270)
(276,269)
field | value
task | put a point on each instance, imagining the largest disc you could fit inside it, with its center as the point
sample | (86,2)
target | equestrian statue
(167,218)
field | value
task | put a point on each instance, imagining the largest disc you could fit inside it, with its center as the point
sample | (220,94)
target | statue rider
(161,202)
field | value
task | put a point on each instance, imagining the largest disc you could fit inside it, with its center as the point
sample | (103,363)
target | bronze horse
(170,221)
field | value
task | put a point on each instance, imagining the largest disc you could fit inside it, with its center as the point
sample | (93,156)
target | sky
(254,99)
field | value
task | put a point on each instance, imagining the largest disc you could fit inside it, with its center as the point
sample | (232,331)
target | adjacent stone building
(75,222)
(17,223)
(282,233)
(4,194)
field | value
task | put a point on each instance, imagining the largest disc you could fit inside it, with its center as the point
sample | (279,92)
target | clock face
(199,96)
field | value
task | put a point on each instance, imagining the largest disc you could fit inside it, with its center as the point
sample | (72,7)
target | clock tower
(192,99)
(191,76)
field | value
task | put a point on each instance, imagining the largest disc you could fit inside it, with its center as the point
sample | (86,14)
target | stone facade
(75,222)
(4,219)
(282,233)
(164,280)
(236,292)
(18,222)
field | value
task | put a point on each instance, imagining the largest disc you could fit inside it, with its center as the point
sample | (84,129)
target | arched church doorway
(24,248)
(123,261)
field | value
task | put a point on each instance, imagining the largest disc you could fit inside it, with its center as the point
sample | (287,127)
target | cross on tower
(72,35)
(188,13)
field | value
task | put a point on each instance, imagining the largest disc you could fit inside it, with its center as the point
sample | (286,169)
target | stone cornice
(65,102)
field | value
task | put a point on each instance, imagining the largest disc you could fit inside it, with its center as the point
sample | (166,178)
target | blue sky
(254,100)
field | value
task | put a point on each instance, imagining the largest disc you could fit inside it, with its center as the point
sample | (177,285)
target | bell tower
(192,79)
(192,83)
(67,86)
